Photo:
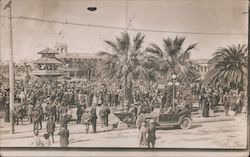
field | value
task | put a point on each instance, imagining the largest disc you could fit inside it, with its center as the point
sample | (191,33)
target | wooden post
(11,69)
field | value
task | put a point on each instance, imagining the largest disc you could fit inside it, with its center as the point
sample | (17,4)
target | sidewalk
(219,116)
(216,118)
(26,130)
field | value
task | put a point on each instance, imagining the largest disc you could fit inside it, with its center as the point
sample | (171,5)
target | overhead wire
(121,28)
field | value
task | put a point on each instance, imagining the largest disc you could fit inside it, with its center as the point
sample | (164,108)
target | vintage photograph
(124,74)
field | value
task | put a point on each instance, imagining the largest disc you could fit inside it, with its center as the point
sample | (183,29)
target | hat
(144,124)
(46,136)
(152,121)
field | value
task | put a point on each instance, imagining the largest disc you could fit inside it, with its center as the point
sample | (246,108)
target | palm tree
(228,67)
(126,62)
(173,59)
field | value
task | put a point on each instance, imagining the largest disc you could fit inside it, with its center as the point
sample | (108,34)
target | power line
(121,28)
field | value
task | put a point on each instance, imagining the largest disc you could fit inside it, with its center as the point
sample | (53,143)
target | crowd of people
(52,102)
(233,101)
(60,94)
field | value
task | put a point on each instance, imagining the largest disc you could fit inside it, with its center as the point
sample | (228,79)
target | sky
(168,18)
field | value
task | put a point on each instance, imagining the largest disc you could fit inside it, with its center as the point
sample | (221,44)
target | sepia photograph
(116,75)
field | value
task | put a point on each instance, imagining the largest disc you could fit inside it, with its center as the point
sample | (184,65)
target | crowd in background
(52,102)
(60,96)
(234,101)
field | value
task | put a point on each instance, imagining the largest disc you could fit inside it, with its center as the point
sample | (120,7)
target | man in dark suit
(40,110)
(102,115)
(93,117)
(106,115)
(51,128)
(79,113)
(35,119)
(64,137)
(151,134)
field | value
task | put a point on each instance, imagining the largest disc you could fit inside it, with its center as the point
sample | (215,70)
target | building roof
(80,55)
(44,60)
(48,51)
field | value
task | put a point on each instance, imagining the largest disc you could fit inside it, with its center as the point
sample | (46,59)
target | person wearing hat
(141,119)
(50,127)
(19,112)
(106,115)
(45,109)
(93,117)
(86,120)
(64,137)
(35,119)
(143,132)
(30,108)
(101,115)
(151,134)
(64,121)
(40,110)
(79,113)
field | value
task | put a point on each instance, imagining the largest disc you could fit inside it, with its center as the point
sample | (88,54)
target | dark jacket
(64,121)
(106,111)
(86,118)
(35,115)
(93,112)
(102,112)
(64,137)
(50,126)
(151,133)
(79,111)
(20,112)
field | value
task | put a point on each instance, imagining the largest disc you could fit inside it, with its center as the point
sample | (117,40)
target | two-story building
(74,63)
(47,67)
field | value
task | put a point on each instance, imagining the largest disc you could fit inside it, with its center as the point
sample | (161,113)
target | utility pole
(0,29)
(11,69)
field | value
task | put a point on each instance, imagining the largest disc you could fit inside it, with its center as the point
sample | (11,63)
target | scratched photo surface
(124,73)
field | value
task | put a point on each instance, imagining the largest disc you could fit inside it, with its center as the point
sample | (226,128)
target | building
(47,67)
(202,66)
(77,64)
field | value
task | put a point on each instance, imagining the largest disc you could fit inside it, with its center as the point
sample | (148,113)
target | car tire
(185,123)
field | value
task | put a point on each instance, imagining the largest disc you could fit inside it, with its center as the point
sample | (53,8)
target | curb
(213,120)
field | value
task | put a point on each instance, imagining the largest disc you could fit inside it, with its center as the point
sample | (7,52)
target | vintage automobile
(180,117)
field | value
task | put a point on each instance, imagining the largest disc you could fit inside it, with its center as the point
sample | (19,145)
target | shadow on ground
(176,128)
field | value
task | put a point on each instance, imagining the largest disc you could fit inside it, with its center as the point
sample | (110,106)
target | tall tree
(228,67)
(173,59)
(126,62)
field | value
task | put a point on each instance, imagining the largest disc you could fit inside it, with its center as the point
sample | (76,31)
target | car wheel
(185,123)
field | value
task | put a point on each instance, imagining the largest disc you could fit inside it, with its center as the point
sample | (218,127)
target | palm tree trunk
(125,88)
(130,93)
